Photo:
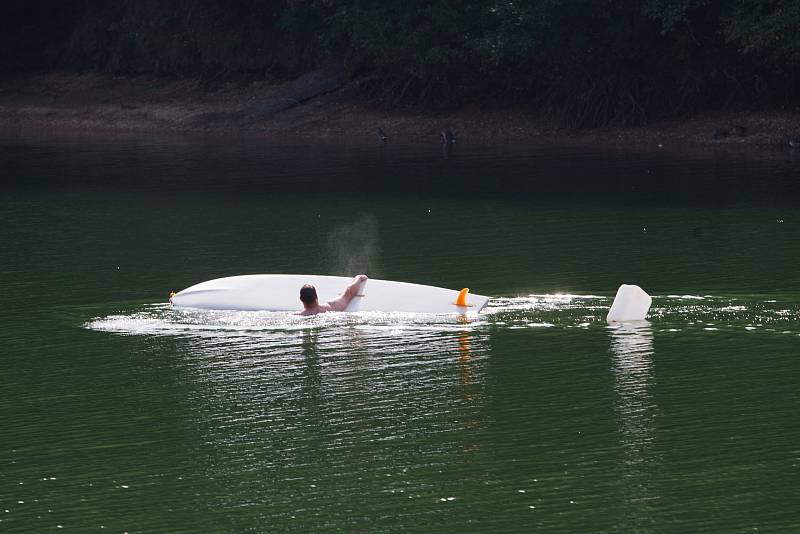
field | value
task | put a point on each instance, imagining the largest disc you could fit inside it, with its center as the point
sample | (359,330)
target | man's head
(308,295)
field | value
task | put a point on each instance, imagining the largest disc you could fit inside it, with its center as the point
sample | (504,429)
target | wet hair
(308,294)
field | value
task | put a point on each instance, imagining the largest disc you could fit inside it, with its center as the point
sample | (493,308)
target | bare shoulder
(320,308)
(331,305)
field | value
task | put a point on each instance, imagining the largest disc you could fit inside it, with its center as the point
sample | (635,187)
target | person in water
(311,305)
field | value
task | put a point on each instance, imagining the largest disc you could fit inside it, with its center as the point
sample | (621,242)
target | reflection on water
(632,367)
(464,359)
(294,412)
(359,400)
(312,373)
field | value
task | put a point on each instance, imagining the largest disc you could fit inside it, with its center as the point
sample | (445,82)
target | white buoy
(631,304)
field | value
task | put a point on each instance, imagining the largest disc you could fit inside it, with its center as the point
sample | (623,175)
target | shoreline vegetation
(623,73)
(101,103)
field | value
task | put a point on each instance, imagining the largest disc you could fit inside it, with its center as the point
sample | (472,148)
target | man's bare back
(311,305)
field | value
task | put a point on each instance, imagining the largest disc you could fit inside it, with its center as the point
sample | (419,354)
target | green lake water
(121,414)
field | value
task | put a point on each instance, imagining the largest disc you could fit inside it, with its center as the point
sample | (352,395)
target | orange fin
(462,297)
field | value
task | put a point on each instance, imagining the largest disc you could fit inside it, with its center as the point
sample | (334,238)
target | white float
(631,304)
(281,292)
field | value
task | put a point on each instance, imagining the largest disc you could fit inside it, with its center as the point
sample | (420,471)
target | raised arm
(340,303)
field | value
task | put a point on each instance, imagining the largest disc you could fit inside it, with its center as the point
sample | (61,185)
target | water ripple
(669,313)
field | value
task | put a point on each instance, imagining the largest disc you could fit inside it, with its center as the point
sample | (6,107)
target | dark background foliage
(592,62)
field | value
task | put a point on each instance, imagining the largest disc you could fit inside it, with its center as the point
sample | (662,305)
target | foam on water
(162,319)
(669,313)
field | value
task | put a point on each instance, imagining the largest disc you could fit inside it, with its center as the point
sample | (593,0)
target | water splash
(545,311)
(162,319)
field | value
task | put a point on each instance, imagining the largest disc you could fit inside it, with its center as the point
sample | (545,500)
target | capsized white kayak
(281,292)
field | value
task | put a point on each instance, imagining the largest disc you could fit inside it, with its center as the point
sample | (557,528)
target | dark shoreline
(145,104)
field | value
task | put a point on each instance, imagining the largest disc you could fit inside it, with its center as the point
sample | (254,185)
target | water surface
(122,413)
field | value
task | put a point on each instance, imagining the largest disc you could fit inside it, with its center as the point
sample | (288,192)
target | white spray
(354,248)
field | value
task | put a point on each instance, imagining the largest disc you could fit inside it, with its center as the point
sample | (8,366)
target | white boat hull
(281,292)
